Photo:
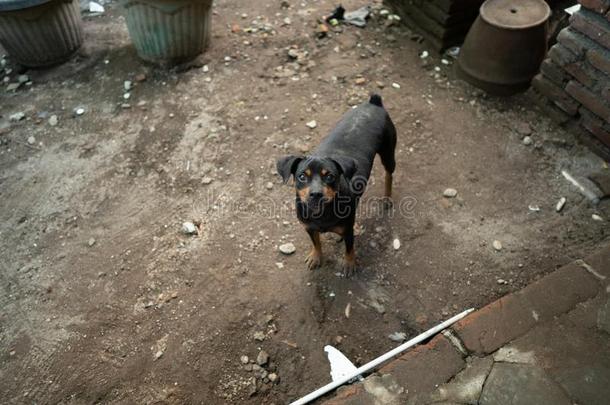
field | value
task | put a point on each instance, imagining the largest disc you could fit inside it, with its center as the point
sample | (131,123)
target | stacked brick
(575,77)
(444,23)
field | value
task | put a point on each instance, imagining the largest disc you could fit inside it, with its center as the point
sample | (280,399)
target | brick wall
(575,77)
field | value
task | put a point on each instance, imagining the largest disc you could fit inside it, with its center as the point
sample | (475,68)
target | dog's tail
(376,100)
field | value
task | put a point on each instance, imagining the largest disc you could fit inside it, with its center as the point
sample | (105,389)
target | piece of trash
(398,337)
(424,55)
(336,15)
(560,204)
(348,310)
(95,7)
(454,52)
(340,366)
(357,17)
(533,207)
(572,10)
(597,217)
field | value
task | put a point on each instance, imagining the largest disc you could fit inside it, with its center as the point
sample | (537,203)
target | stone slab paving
(548,344)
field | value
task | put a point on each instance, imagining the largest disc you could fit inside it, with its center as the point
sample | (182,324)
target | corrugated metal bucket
(39,33)
(168,31)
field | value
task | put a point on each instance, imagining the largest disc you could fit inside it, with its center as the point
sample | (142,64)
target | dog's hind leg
(387,154)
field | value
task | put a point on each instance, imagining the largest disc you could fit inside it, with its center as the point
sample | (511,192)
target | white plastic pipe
(383,358)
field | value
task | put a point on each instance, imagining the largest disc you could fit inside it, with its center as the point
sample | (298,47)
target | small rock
(288,248)
(273,377)
(501,281)
(205,68)
(398,336)
(13,87)
(269,185)
(450,193)
(560,204)
(424,54)
(259,336)
(91,242)
(534,207)
(79,111)
(279,265)
(312,124)
(206,180)
(497,245)
(527,140)
(244,359)
(396,244)
(360,80)
(189,228)
(126,96)
(16,117)
(23,78)
(262,358)
(53,120)
(127,85)
(597,217)
(31,140)
(396,85)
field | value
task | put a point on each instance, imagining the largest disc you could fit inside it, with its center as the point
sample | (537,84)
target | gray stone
(586,384)
(527,140)
(509,354)
(521,384)
(53,120)
(189,228)
(466,386)
(450,193)
(16,117)
(288,248)
(31,140)
(384,389)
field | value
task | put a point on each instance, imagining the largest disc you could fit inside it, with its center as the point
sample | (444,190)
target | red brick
(421,369)
(589,99)
(574,41)
(600,261)
(562,55)
(511,316)
(582,74)
(554,73)
(350,395)
(556,94)
(595,126)
(599,6)
(592,25)
(600,59)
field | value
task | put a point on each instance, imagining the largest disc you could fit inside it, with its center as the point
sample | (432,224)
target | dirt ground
(104,299)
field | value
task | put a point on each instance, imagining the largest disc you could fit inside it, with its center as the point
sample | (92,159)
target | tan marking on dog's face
(324,172)
(303,193)
(308,172)
(329,193)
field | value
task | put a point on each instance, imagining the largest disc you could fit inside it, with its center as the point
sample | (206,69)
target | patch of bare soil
(103,299)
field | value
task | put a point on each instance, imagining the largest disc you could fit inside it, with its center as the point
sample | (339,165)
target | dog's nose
(315,195)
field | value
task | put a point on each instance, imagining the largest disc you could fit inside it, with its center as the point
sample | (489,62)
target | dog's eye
(302,178)
(329,178)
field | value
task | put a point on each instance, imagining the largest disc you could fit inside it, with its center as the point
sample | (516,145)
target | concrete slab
(521,384)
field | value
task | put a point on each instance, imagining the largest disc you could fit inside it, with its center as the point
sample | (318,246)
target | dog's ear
(287,165)
(347,166)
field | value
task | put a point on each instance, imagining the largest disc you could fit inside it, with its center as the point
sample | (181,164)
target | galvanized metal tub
(38,33)
(168,31)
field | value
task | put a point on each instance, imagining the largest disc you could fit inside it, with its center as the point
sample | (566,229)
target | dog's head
(316,179)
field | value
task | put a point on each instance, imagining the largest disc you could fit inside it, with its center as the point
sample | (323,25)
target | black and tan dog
(330,181)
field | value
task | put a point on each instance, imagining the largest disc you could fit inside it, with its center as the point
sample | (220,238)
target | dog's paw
(348,267)
(313,260)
